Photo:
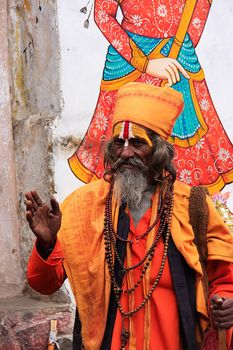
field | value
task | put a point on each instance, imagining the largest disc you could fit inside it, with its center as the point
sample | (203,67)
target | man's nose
(127,152)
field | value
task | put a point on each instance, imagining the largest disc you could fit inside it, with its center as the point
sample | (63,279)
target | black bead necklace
(165,216)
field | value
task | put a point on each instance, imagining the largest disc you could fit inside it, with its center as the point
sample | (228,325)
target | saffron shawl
(81,238)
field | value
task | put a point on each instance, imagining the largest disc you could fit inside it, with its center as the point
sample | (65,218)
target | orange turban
(153,107)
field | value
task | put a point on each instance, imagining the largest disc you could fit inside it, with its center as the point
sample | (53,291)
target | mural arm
(105,19)
(170,68)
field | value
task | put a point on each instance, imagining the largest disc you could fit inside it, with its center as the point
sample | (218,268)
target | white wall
(82,58)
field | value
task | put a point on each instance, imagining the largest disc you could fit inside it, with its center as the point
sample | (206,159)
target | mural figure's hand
(222,311)
(43,220)
(167,69)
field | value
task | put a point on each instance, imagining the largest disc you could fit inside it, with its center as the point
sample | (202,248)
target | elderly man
(138,271)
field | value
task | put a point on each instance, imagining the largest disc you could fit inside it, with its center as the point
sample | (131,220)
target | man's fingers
(31,219)
(30,196)
(55,206)
(225,322)
(29,205)
(216,300)
(222,310)
(37,198)
(225,325)
(223,314)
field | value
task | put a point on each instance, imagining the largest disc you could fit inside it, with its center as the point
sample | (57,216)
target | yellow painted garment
(81,237)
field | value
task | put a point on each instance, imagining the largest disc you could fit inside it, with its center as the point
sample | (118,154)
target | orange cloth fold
(41,272)
(81,239)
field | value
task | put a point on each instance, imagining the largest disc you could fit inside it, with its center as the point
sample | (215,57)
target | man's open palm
(43,220)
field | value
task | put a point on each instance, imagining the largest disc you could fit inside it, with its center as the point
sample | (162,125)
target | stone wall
(22,328)
(36,99)
(30,102)
(10,272)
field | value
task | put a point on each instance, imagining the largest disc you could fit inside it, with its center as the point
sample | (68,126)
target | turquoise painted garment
(117,67)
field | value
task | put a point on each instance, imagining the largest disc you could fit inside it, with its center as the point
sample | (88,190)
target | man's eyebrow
(138,138)
(118,138)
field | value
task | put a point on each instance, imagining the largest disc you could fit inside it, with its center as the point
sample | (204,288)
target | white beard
(129,186)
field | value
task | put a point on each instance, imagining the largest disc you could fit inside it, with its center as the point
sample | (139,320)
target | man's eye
(137,142)
(119,142)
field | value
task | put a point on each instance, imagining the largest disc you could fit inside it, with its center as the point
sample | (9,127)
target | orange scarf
(81,237)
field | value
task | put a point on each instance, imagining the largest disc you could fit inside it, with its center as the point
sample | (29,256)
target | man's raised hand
(43,220)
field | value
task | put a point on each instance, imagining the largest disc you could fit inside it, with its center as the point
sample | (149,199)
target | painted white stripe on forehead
(126,132)
(121,135)
(131,135)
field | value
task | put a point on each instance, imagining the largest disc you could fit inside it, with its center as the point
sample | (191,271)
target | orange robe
(80,249)
(165,332)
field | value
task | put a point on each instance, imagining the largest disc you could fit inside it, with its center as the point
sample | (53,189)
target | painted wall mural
(155,43)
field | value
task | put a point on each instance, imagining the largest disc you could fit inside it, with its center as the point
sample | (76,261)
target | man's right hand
(43,220)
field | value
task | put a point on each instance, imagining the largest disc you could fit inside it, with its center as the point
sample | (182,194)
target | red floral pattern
(212,155)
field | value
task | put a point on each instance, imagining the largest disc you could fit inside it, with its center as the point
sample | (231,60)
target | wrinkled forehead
(127,130)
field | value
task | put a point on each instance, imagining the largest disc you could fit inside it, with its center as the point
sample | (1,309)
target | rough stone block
(25,323)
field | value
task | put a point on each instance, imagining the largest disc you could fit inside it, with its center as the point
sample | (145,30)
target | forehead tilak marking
(127,130)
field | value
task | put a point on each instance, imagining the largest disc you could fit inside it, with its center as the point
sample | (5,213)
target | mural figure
(155,43)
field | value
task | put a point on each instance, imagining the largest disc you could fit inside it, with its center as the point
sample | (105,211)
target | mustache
(134,161)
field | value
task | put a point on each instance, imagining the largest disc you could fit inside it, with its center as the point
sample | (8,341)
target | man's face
(132,150)
(132,143)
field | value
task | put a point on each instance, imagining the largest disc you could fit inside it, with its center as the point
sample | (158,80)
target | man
(126,243)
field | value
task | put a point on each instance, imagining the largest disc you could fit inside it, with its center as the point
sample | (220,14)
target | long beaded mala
(163,221)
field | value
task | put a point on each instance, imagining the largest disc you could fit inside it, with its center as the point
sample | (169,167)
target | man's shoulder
(90,187)
(181,189)
(96,188)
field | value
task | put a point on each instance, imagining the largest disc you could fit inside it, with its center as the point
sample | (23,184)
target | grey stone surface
(25,323)
(34,48)
(34,164)
(10,272)
(30,102)
(65,343)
